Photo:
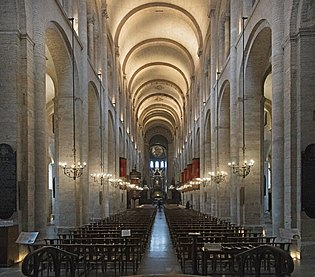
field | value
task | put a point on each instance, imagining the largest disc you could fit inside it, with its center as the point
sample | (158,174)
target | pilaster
(234,115)
(40,139)
(84,137)
(277,119)
(105,103)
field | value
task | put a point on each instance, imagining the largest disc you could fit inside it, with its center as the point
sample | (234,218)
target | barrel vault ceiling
(159,44)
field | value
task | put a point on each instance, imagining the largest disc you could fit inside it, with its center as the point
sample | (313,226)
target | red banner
(122,167)
(189,177)
(196,168)
(185,175)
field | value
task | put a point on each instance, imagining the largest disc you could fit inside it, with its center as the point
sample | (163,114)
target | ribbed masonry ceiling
(160,60)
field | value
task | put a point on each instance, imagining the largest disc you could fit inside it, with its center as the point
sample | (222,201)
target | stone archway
(59,68)
(257,63)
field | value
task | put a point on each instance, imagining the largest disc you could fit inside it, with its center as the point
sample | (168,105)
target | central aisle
(160,257)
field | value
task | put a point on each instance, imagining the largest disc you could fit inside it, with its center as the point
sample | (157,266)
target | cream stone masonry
(40,128)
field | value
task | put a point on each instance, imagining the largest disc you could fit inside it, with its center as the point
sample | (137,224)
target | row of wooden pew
(110,247)
(209,246)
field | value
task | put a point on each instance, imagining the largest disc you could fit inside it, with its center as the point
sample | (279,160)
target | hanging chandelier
(75,170)
(244,169)
(205,180)
(116,182)
(100,177)
(218,176)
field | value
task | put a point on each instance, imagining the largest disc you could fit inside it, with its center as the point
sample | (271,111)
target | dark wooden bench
(265,260)
(49,259)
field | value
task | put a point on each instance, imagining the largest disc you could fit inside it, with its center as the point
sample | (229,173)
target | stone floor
(160,259)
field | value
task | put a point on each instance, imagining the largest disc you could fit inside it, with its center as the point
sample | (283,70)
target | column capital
(211,13)
(91,18)
(104,12)
(200,51)
(117,50)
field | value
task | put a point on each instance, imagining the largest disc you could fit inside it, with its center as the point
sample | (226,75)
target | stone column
(213,72)
(84,137)
(203,151)
(67,5)
(124,103)
(246,7)
(234,115)
(40,139)
(105,104)
(209,200)
(226,36)
(90,29)
(202,198)
(202,97)
(277,119)
(68,190)
(128,115)
(292,166)
(146,170)
(116,125)
(17,104)
(65,196)
(170,169)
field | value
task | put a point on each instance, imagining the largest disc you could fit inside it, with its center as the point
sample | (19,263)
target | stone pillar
(105,104)
(40,140)
(204,150)
(90,29)
(209,200)
(128,114)
(246,8)
(123,105)
(170,169)
(117,122)
(16,98)
(67,5)
(227,36)
(202,126)
(65,189)
(302,88)
(146,170)
(213,72)
(70,201)
(277,119)
(234,115)
(84,111)
(202,198)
